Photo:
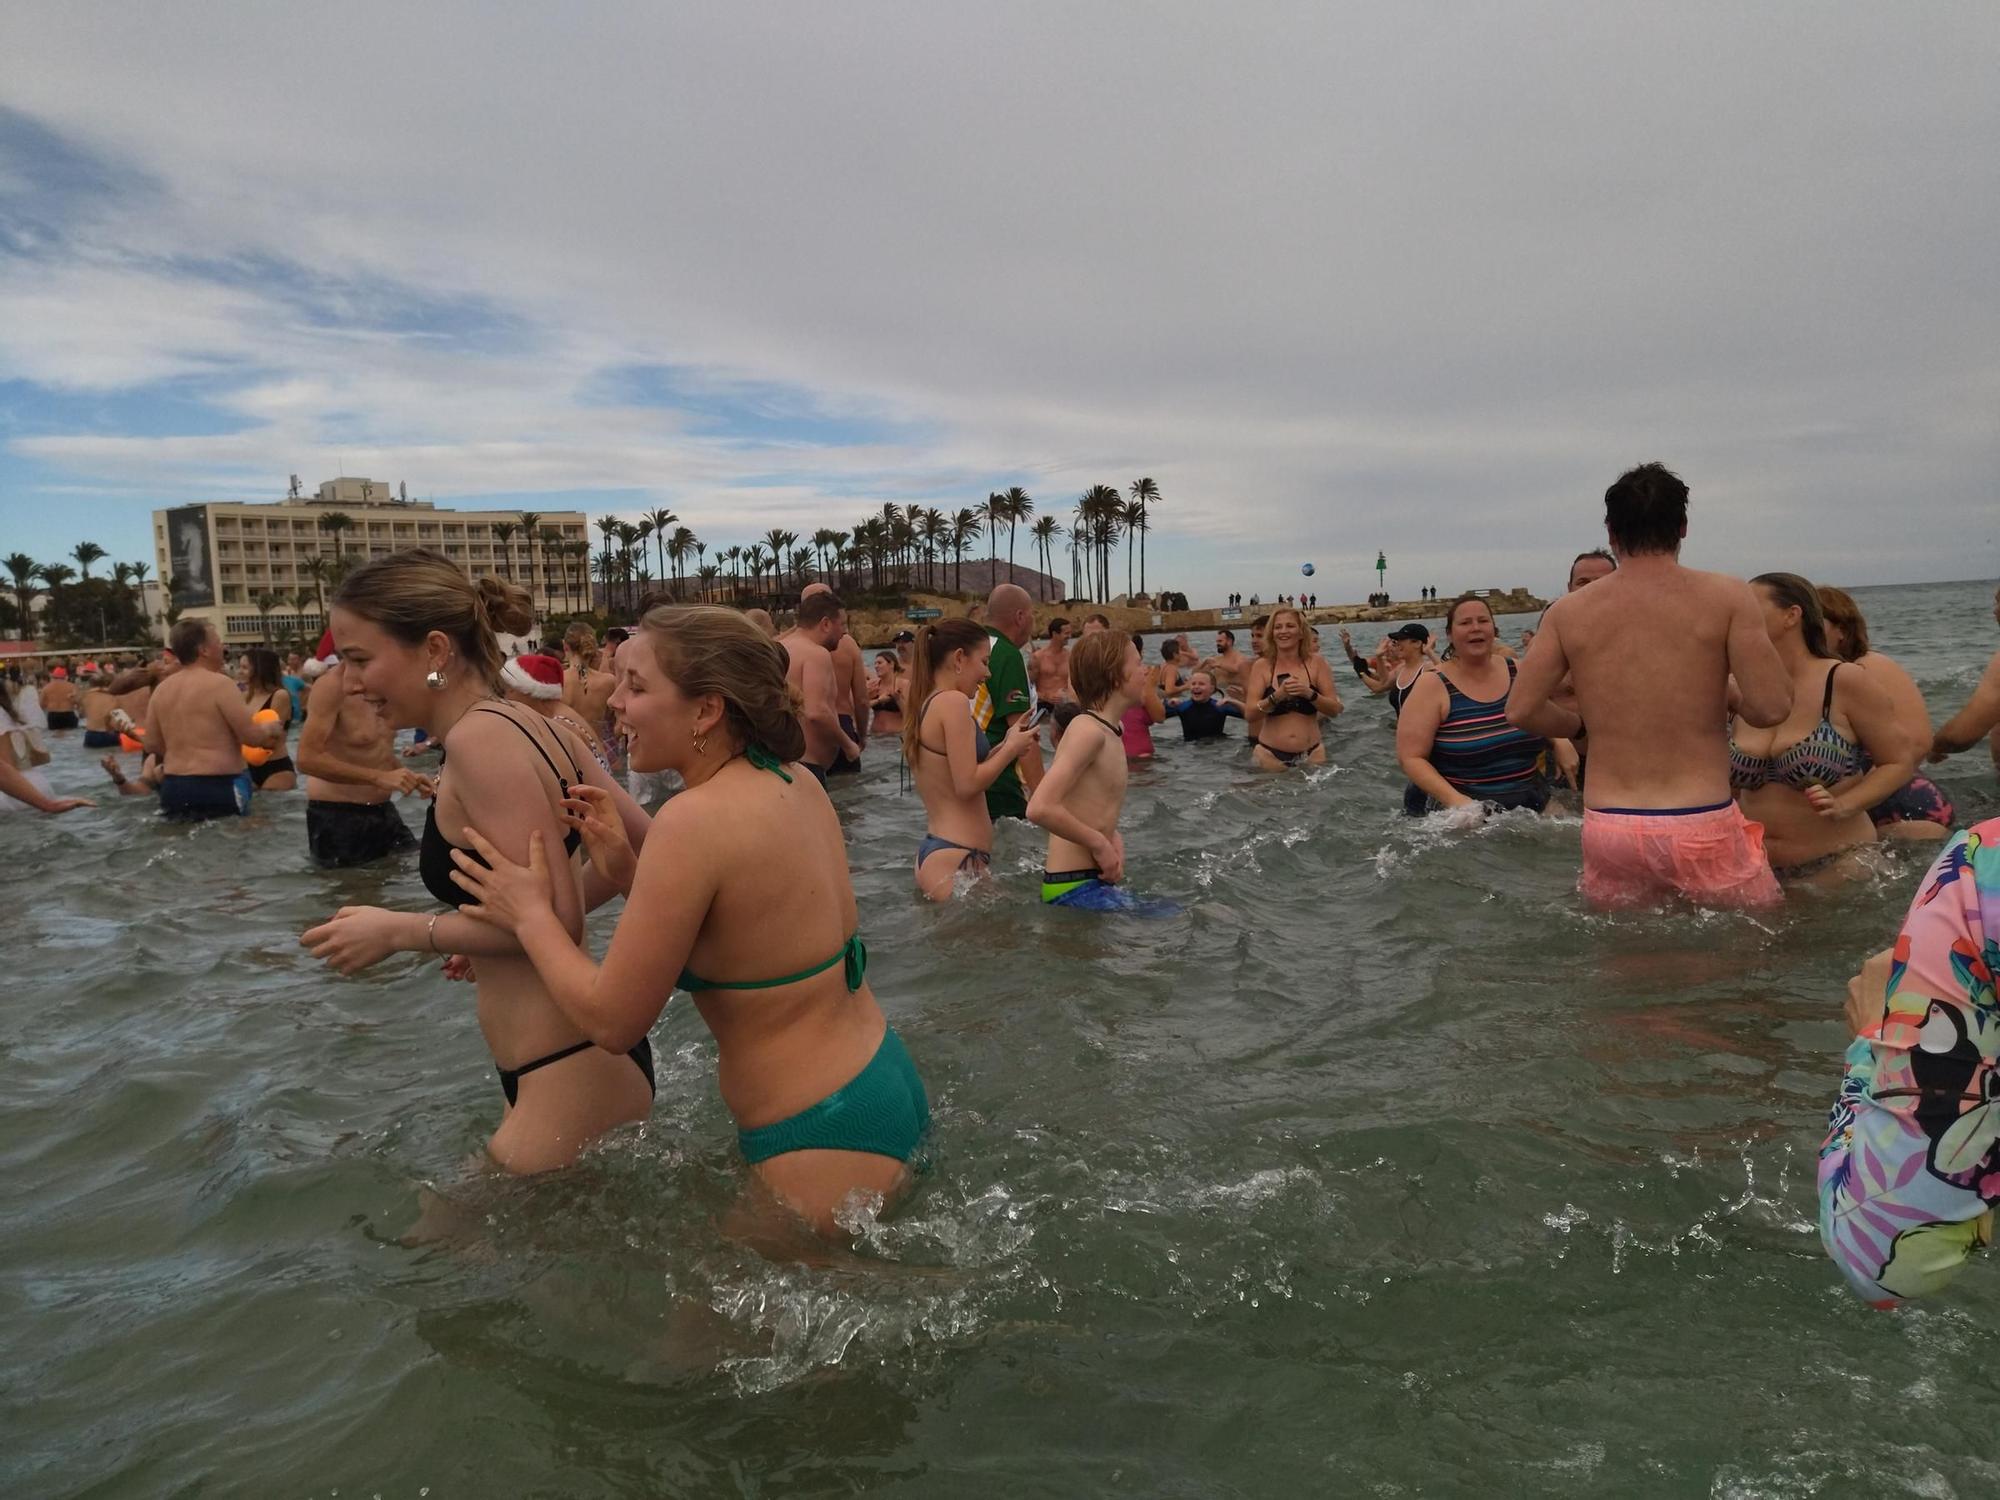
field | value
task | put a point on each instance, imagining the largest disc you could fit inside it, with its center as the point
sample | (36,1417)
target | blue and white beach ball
(1307,569)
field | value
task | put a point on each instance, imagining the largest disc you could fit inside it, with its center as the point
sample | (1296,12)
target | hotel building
(225,556)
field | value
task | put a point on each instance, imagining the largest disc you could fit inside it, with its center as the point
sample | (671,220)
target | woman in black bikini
(417,636)
(950,759)
(1290,691)
(886,691)
(263,687)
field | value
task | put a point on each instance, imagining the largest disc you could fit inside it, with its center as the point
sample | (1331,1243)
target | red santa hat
(324,659)
(533,676)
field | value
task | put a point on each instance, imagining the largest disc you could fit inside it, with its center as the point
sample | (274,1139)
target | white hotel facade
(225,555)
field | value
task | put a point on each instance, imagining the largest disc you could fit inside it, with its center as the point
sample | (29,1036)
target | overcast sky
(1422,278)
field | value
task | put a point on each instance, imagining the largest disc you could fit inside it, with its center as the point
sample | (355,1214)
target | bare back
(201,720)
(1648,651)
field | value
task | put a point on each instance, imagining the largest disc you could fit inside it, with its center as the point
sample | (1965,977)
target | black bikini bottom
(510,1078)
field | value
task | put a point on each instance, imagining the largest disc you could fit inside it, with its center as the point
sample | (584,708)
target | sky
(1421,279)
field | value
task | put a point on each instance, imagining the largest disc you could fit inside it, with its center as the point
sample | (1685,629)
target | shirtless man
(197,724)
(809,649)
(1650,650)
(1229,667)
(348,754)
(58,698)
(1050,665)
(850,685)
(1083,791)
(1980,716)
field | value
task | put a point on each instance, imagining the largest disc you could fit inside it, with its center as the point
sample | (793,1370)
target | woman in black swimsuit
(1289,678)
(418,636)
(263,687)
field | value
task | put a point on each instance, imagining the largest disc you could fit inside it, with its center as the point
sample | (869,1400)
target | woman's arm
(1253,695)
(1319,677)
(1874,719)
(614,1003)
(17,785)
(1156,709)
(1416,735)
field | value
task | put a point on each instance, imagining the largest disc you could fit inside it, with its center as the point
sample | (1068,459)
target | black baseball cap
(901,636)
(1410,632)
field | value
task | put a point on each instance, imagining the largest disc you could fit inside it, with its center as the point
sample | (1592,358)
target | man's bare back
(1649,651)
(809,668)
(200,720)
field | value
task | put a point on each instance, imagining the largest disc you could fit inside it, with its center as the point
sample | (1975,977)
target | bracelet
(431,932)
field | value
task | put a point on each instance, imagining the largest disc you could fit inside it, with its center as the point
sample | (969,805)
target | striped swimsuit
(1484,756)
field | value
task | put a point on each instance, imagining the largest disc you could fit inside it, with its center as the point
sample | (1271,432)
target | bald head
(761,618)
(815,588)
(1010,611)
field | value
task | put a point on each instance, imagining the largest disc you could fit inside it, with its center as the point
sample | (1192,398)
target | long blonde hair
(1270,652)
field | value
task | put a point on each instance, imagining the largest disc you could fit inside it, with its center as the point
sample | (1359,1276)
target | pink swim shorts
(1713,856)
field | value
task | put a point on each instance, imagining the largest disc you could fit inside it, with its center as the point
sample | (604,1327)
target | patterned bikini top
(1824,757)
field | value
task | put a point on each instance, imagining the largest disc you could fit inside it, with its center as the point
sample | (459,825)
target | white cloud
(1337,278)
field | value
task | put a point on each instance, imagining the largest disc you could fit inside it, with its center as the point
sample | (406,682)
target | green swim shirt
(1001,699)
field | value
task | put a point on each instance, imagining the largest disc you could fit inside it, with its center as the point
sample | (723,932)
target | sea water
(1384,1169)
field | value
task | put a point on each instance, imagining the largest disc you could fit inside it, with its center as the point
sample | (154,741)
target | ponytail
(935,643)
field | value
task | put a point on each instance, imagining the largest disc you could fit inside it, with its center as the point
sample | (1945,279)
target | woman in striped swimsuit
(1453,738)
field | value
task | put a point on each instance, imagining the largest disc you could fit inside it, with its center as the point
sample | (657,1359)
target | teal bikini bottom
(881,1110)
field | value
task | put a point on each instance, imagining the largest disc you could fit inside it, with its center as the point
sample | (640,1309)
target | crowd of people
(1714,735)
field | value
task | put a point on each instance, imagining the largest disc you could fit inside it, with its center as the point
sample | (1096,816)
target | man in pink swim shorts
(1648,652)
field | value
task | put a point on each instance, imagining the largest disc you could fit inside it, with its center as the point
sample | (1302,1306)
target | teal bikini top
(853,953)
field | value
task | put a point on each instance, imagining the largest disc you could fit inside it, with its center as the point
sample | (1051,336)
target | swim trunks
(1714,856)
(100,739)
(61,718)
(196,799)
(340,834)
(1910,1168)
(843,763)
(1418,803)
(882,1110)
(1921,800)
(1086,890)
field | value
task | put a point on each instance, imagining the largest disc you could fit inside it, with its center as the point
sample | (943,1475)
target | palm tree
(1019,507)
(21,571)
(753,565)
(503,533)
(171,587)
(629,537)
(934,526)
(661,520)
(139,572)
(609,526)
(303,600)
(707,573)
(995,512)
(314,568)
(1134,516)
(551,538)
(1147,495)
(266,601)
(333,523)
(778,539)
(54,576)
(87,553)
(680,547)
(1045,531)
(964,532)
(531,521)
(606,569)
(1103,508)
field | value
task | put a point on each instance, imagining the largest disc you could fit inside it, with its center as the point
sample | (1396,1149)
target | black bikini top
(434,862)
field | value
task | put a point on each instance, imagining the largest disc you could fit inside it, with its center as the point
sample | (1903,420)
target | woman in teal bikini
(950,759)
(743,879)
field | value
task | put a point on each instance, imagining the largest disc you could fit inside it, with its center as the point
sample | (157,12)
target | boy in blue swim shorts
(1083,791)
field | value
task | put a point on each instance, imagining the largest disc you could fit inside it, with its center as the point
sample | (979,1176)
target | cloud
(1337,278)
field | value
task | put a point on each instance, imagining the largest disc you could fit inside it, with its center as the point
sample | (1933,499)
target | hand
(1939,753)
(506,894)
(593,812)
(1868,994)
(401,779)
(67,804)
(1110,857)
(458,966)
(357,937)
(1824,802)
(1021,737)
(1568,762)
